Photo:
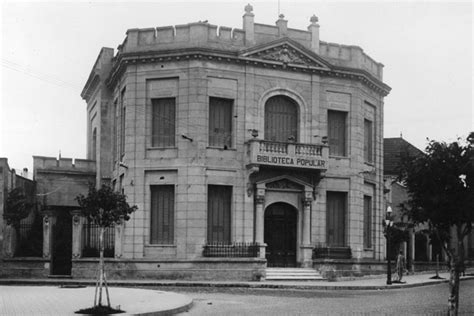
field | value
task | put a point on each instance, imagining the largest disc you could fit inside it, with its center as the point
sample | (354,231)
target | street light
(387,224)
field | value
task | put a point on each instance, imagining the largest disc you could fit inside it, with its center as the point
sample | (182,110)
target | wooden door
(280,235)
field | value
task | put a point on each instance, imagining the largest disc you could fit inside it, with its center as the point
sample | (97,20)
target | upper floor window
(281,119)
(94,145)
(368,141)
(122,123)
(163,122)
(220,122)
(337,133)
(115,131)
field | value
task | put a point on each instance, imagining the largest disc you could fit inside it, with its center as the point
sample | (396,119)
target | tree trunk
(102,282)
(453,301)
(456,260)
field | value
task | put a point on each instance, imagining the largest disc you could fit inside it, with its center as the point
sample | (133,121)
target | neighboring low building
(10,180)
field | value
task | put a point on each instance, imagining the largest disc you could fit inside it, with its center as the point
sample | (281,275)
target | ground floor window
(162,214)
(218,213)
(367,221)
(336,204)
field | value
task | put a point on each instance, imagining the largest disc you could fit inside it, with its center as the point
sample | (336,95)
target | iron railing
(90,241)
(234,250)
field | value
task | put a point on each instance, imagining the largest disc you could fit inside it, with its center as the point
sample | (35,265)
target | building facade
(242,148)
(261,135)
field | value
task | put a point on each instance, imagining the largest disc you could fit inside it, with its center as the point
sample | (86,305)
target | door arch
(281,119)
(280,235)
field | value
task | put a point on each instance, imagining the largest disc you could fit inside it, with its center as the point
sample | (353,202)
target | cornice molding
(122,61)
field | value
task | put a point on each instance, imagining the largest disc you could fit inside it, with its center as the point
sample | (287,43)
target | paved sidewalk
(54,300)
(363,283)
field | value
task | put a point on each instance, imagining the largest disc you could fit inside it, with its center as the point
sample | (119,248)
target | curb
(261,285)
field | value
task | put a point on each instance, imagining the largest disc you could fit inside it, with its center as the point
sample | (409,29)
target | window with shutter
(163,122)
(122,123)
(220,122)
(218,215)
(368,142)
(162,214)
(337,133)
(281,119)
(367,221)
(336,218)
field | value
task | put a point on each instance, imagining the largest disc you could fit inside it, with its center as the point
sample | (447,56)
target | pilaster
(259,219)
(9,241)
(48,221)
(77,222)
(118,242)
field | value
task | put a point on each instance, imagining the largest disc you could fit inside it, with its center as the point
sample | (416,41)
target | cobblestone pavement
(427,300)
(48,300)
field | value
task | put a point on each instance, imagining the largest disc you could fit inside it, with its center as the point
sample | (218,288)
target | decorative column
(259,220)
(249,28)
(306,247)
(282,25)
(48,221)
(77,221)
(412,250)
(118,241)
(313,28)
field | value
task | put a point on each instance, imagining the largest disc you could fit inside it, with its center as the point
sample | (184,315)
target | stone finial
(281,16)
(314,19)
(248,9)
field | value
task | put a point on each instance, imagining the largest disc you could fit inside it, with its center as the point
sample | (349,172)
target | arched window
(94,145)
(281,119)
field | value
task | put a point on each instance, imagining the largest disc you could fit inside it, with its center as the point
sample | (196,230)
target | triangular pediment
(285,182)
(286,52)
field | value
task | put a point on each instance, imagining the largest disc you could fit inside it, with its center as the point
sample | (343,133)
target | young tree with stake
(104,207)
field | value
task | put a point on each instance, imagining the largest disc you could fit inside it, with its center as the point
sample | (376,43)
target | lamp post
(387,224)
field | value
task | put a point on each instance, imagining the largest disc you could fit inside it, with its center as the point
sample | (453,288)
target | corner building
(242,148)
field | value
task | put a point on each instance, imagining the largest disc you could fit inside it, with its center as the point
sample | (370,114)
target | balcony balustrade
(288,154)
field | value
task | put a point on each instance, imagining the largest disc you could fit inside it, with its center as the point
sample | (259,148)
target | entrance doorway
(62,245)
(280,235)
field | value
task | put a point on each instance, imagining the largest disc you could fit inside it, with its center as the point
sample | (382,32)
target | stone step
(294,278)
(292,274)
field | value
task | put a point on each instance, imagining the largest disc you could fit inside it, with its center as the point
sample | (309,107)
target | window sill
(370,164)
(161,245)
(161,148)
(221,148)
(339,157)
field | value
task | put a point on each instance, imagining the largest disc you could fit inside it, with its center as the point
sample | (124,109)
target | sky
(48,50)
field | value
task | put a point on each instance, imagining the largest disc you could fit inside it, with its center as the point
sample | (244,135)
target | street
(425,300)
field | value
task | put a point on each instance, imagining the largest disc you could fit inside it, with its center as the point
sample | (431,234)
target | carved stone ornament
(76,219)
(46,220)
(283,184)
(307,202)
(260,199)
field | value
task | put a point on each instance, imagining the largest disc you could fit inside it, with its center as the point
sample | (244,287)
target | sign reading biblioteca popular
(287,161)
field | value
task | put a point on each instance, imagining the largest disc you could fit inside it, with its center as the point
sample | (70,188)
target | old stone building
(264,134)
(244,149)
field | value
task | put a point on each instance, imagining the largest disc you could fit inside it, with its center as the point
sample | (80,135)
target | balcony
(289,155)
